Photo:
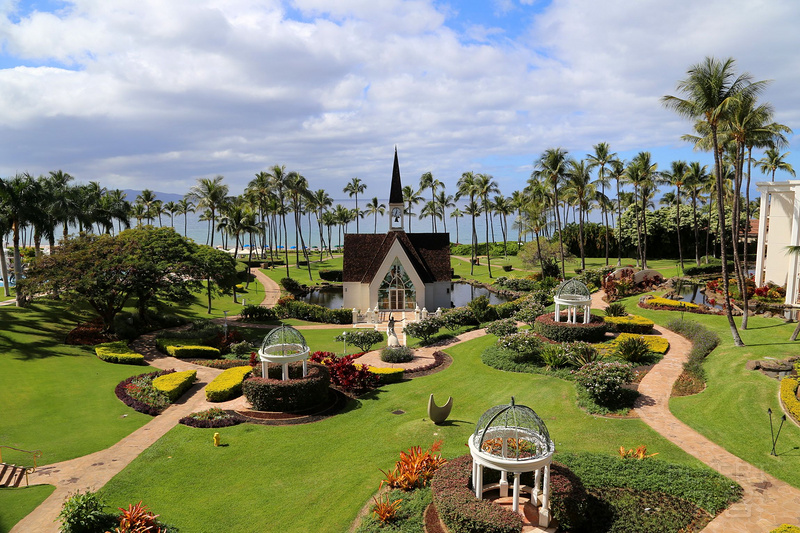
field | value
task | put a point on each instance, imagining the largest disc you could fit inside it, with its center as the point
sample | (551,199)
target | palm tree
(617,172)
(209,193)
(329,220)
(410,198)
(455,214)
(551,167)
(443,202)
(503,207)
(601,157)
(354,188)
(343,217)
(171,208)
(376,208)
(710,89)
(184,207)
(236,221)
(773,161)
(676,177)
(320,201)
(430,209)
(642,173)
(485,186)
(297,186)
(18,201)
(468,186)
(147,198)
(580,189)
(695,179)
(427,181)
(278,180)
(518,201)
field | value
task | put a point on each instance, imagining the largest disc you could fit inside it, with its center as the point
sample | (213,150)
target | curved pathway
(767,501)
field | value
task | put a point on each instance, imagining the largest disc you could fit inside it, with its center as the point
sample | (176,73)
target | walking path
(767,501)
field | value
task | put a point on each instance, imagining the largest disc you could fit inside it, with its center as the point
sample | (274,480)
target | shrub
(672,304)
(364,339)
(786,528)
(118,352)
(296,394)
(481,309)
(242,349)
(330,275)
(703,343)
(579,353)
(507,267)
(656,343)
(630,324)
(387,375)
(525,346)
(529,312)
(191,351)
(211,418)
(289,308)
(553,356)
(457,318)
(713,267)
(221,364)
(562,331)
(397,354)
(424,329)
(550,268)
(616,309)
(256,313)
(175,384)
(516,284)
(163,344)
(345,374)
(138,393)
(789,397)
(290,285)
(227,385)
(501,328)
(508,309)
(633,349)
(542,297)
(85,513)
(568,498)
(603,381)
(460,510)
(415,468)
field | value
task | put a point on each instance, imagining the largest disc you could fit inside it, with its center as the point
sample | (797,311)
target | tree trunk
(619,228)
(4,267)
(678,216)
(485,218)
(696,229)
(745,296)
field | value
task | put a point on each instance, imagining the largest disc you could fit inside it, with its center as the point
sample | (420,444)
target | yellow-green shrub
(175,384)
(630,324)
(786,528)
(118,352)
(387,375)
(227,385)
(671,303)
(656,343)
(193,351)
(789,397)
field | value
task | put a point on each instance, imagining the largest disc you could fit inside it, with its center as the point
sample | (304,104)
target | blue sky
(146,93)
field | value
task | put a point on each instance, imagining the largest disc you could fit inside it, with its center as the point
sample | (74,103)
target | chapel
(397,271)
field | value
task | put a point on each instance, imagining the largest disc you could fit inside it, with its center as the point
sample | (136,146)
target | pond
(692,292)
(461,294)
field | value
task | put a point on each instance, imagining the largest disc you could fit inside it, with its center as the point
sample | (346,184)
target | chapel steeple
(396,198)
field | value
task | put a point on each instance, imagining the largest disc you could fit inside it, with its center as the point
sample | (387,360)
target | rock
(776,366)
(646,297)
(767,314)
(753,364)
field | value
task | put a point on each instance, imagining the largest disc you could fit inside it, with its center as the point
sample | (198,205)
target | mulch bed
(440,362)
(89,334)
(432,522)
(337,402)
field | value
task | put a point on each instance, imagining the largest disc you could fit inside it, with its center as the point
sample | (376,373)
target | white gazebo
(573,294)
(283,345)
(512,438)
(778,228)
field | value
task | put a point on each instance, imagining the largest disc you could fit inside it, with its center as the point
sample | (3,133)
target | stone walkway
(767,501)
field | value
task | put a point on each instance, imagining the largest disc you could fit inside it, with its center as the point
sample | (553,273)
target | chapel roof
(429,254)
(396,191)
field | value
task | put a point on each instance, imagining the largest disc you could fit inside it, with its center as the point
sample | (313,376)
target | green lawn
(15,504)
(732,410)
(3,296)
(317,339)
(332,466)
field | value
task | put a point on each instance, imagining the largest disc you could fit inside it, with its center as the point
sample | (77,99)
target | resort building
(396,271)
(779,228)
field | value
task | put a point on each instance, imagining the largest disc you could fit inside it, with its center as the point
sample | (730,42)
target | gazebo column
(544,510)
(558,313)
(537,486)
(515,505)
(285,367)
(305,368)
(503,484)
(586,314)
(477,480)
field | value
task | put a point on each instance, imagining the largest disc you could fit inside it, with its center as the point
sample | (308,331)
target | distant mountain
(163,196)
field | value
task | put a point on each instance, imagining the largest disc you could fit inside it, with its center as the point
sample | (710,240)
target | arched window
(396,291)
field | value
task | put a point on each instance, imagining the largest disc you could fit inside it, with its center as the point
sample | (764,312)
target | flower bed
(665,304)
(137,393)
(387,375)
(630,324)
(656,343)
(175,383)
(221,364)
(789,397)
(118,352)
(563,331)
(693,378)
(211,418)
(191,351)
(296,394)
(227,385)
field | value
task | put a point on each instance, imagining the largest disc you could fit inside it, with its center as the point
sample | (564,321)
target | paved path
(767,501)
(272,292)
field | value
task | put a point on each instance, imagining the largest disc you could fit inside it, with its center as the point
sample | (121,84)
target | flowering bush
(603,381)
(364,339)
(211,418)
(525,344)
(529,312)
(501,328)
(344,373)
(458,318)
(580,353)
(137,392)
(424,329)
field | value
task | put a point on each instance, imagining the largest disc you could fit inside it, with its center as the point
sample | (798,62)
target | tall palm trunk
(745,296)
(4,267)
(619,228)
(678,217)
(560,232)
(488,255)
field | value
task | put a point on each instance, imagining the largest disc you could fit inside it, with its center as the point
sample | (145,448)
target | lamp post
(344,343)
(225,325)
(772,431)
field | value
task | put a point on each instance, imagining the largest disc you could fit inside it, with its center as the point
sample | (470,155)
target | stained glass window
(396,290)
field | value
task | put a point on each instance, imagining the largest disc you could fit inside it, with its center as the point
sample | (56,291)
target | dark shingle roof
(429,254)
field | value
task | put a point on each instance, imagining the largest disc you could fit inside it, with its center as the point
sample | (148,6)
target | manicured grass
(56,398)
(301,274)
(317,339)
(340,456)
(732,410)
(3,296)
(15,504)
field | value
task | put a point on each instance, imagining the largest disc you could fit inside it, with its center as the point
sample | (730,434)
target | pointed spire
(396,192)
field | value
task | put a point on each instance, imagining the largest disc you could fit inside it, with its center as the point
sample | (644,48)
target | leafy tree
(218,268)
(364,339)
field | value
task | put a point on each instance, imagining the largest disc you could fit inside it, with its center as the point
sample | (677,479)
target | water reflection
(692,292)
(460,293)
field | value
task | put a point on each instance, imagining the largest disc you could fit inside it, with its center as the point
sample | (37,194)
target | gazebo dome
(512,432)
(573,289)
(283,345)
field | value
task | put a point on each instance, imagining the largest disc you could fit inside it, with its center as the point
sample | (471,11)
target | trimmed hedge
(163,343)
(119,353)
(296,394)
(192,351)
(562,331)
(313,313)
(175,384)
(330,275)
(711,268)
(704,341)
(397,354)
(630,324)
(256,313)
(789,397)
(387,375)
(227,385)
(656,343)
(460,510)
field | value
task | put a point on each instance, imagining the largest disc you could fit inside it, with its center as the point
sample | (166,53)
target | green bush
(290,285)
(516,284)
(529,312)
(581,353)
(313,313)
(482,310)
(501,328)
(507,267)
(296,394)
(632,349)
(457,318)
(118,352)
(227,385)
(713,267)
(396,354)
(594,331)
(604,381)
(554,356)
(424,329)
(508,309)
(257,313)
(502,359)
(616,309)
(85,513)
(524,345)
(630,324)
(193,351)
(175,384)
(330,275)
(363,339)
(703,343)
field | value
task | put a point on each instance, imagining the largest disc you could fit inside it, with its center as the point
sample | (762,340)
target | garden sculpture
(439,414)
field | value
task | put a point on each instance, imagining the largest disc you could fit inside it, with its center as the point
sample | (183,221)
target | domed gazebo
(283,345)
(573,294)
(512,438)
